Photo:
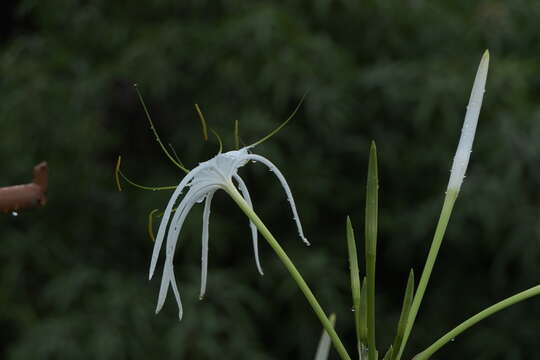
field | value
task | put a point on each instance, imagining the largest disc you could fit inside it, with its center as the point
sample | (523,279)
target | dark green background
(73,275)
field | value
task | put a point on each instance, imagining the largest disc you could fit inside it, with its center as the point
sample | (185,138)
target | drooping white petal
(184,208)
(461,159)
(254,235)
(285,186)
(204,255)
(193,196)
(165,220)
(176,294)
(189,200)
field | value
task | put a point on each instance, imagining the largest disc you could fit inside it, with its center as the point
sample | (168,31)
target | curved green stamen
(276,130)
(152,127)
(236,135)
(218,139)
(203,122)
(134,184)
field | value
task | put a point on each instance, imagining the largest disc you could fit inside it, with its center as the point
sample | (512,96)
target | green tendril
(276,130)
(119,173)
(152,127)
(218,139)
(203,122)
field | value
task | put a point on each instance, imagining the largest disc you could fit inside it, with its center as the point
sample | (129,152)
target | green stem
(446,211)
(235,195)
(424,355)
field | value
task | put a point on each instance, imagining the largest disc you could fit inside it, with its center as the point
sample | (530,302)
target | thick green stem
(235,195)
(426,354)
(446,211)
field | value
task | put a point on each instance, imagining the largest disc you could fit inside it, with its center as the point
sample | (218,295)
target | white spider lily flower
(464,149)
(203,181)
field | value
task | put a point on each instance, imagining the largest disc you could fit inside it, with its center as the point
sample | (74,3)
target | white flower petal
(193,196)
(176,295)
(204,255)
(189,200)
(184,208)
(245,193)
(285,186)
(165,220)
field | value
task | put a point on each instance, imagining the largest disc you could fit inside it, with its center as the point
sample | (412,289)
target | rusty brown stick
(18,197)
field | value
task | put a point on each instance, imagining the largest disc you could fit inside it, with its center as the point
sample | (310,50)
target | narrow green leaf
(372,206)
(473,320)
(389,353)
(405,309)
(363,313)
(324,344)
(355,276)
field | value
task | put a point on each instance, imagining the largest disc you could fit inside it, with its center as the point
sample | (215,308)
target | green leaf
(355,276)
(372,205)
(363,313)
(405,309)
(389,353)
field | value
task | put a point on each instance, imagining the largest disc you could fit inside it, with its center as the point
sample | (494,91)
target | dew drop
(14,213)
(452,339)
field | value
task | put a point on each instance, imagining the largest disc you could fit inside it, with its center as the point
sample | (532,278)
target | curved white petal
(245,193)
(285,186)
(184,208)
(189,200)
(176,294)
(204,254)
(193,196)
(165,220)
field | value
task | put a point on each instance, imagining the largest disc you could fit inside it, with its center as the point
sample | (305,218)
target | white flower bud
(463,152)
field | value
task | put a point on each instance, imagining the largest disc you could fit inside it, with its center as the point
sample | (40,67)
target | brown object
(13,198)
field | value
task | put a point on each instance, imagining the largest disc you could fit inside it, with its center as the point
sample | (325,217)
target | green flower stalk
(459,167)
(221,172)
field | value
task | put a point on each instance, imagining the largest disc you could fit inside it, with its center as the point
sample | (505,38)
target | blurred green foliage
(73,275)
